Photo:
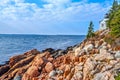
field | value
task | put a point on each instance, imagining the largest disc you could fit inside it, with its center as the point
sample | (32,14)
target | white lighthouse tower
(103,24)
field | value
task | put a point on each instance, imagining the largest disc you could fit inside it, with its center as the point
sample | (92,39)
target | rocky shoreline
(93,59)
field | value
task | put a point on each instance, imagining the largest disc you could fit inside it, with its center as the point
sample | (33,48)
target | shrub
(117,77)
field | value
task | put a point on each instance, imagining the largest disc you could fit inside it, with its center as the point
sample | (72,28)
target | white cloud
(17,13)
(57,2)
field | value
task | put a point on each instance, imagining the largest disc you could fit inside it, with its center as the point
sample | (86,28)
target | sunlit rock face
(93,59)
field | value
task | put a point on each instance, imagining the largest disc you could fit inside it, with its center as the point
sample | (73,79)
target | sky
(51,17)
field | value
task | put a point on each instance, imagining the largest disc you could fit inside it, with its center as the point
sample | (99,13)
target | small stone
(59,71)
(88,47)
(100,42)
(117,54)
(104,47)
(67,60)
(75,59)
(52,73)
(49,67)
(50,59)
(96,51)
(96,44)
(77,76)
(104,44)
(77,51)
(82,59)
(79,67)
(106,67)
(108,46)
(62,67)
(17,77)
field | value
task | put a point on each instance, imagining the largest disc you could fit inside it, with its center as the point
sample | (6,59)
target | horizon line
(43,34)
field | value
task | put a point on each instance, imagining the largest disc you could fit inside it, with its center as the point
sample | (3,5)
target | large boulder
(32,72)
(104,76)
(104,55)
(88,67)
(16,59)
(38,60)
(49,67)
(79,52)
(88,47)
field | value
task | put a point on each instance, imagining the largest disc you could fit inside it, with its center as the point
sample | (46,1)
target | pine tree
(114,6)
(110,15)
(90,33)
(115,25)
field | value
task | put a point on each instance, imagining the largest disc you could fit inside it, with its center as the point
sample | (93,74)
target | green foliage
(115,24)
(90,33)
(115,7)
(117,77)
(108,39)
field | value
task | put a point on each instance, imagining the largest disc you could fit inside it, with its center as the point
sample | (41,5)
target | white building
(103,24)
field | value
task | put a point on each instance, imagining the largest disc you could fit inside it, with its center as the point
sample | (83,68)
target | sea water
(14,44)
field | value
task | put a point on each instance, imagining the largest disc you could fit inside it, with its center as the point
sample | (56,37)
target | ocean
(14,44)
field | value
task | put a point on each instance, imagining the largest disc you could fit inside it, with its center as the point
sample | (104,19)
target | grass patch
(117,77)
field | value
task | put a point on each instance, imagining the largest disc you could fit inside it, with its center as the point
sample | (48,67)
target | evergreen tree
(114,6)
(110,15)
(90,30)
(115,24)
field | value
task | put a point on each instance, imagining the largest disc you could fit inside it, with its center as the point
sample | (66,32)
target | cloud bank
(52,17)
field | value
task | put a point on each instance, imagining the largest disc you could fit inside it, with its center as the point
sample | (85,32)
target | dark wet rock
(4,69)
(70,48)
(7,62)
(58,53)
(49,50)
(2,65)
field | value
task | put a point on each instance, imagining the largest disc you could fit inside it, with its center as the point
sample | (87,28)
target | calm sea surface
(17,44)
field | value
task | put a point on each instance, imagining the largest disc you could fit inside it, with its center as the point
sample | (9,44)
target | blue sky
(70,17)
